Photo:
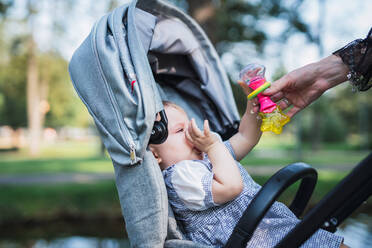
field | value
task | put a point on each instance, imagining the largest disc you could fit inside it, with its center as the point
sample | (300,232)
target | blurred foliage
(4,6)
(356,110)
(240,20)
(331,126)
(13,91)
(64,106)
(229,21)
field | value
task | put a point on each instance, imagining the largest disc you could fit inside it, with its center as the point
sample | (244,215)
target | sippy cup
(273,119)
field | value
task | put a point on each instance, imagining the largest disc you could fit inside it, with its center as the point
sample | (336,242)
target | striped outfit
(189,187)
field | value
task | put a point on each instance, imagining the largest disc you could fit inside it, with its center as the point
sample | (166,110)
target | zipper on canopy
(128,140)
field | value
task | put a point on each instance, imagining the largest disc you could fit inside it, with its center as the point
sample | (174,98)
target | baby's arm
(249,133)
(227,181)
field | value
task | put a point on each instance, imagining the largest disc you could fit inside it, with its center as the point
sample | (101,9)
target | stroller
(134,58)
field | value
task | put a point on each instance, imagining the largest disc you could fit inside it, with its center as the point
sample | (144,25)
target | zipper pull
(133,156)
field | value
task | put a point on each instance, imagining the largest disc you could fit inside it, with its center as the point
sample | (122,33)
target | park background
(56,180)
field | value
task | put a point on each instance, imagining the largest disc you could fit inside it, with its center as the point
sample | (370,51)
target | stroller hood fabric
(113,77)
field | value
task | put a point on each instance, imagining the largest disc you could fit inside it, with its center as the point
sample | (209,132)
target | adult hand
(304,85)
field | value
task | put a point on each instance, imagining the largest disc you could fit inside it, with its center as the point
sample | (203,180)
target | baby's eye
(180,130)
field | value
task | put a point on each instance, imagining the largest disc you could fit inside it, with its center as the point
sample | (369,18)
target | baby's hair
(173,105)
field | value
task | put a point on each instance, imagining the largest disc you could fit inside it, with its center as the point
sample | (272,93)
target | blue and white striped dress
(189,186)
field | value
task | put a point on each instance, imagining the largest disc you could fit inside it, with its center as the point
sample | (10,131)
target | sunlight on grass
(84,156)
(61,157)
(60,149)
(281,150)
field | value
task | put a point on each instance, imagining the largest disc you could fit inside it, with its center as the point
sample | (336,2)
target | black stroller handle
(335,207)
(268,194)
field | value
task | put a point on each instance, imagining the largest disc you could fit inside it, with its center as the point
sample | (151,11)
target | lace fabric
(357,55)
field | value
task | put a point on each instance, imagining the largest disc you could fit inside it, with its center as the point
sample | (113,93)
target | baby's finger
(191,131)
(207,130)
(245,87)
(195,130)
(188,136)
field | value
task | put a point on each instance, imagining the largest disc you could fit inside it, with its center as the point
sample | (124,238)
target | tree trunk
(44,104)
(204,12)
(33,100)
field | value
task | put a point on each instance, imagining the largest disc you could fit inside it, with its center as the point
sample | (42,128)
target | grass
(60,149)
(61,157)
(274,150)
(24,202)
(83,156)
(263,157)
(57,165)
(50,202)
(43,202)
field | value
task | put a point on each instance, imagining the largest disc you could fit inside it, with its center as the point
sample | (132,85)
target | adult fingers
(277,96)
(278,85)
(293,111)
(284,103)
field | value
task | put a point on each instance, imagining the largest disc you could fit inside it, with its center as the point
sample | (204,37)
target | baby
(209,190)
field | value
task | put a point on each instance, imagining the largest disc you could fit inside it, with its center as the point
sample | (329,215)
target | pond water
(357,231)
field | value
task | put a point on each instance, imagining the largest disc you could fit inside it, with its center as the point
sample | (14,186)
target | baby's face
(176,148)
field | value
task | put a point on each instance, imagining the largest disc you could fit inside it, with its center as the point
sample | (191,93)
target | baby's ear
(155,153)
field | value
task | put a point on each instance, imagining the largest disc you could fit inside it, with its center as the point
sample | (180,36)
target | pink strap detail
(132,84)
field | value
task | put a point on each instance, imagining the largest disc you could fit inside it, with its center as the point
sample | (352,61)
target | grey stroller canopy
(134,58)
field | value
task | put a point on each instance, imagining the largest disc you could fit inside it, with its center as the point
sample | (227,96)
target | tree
(230,21)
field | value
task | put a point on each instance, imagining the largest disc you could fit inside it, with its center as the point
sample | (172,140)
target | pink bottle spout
(266,104)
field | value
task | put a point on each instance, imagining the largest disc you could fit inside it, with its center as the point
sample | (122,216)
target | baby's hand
(203,141)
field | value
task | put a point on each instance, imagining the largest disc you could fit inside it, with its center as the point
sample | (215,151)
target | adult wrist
(332,71)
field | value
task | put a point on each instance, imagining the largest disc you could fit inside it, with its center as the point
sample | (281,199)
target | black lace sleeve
(357,55)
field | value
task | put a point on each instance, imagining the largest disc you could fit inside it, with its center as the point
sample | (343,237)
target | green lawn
(61,157)
(46,202)
(262,157)
(56,165)
(43,202)
(83,156)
